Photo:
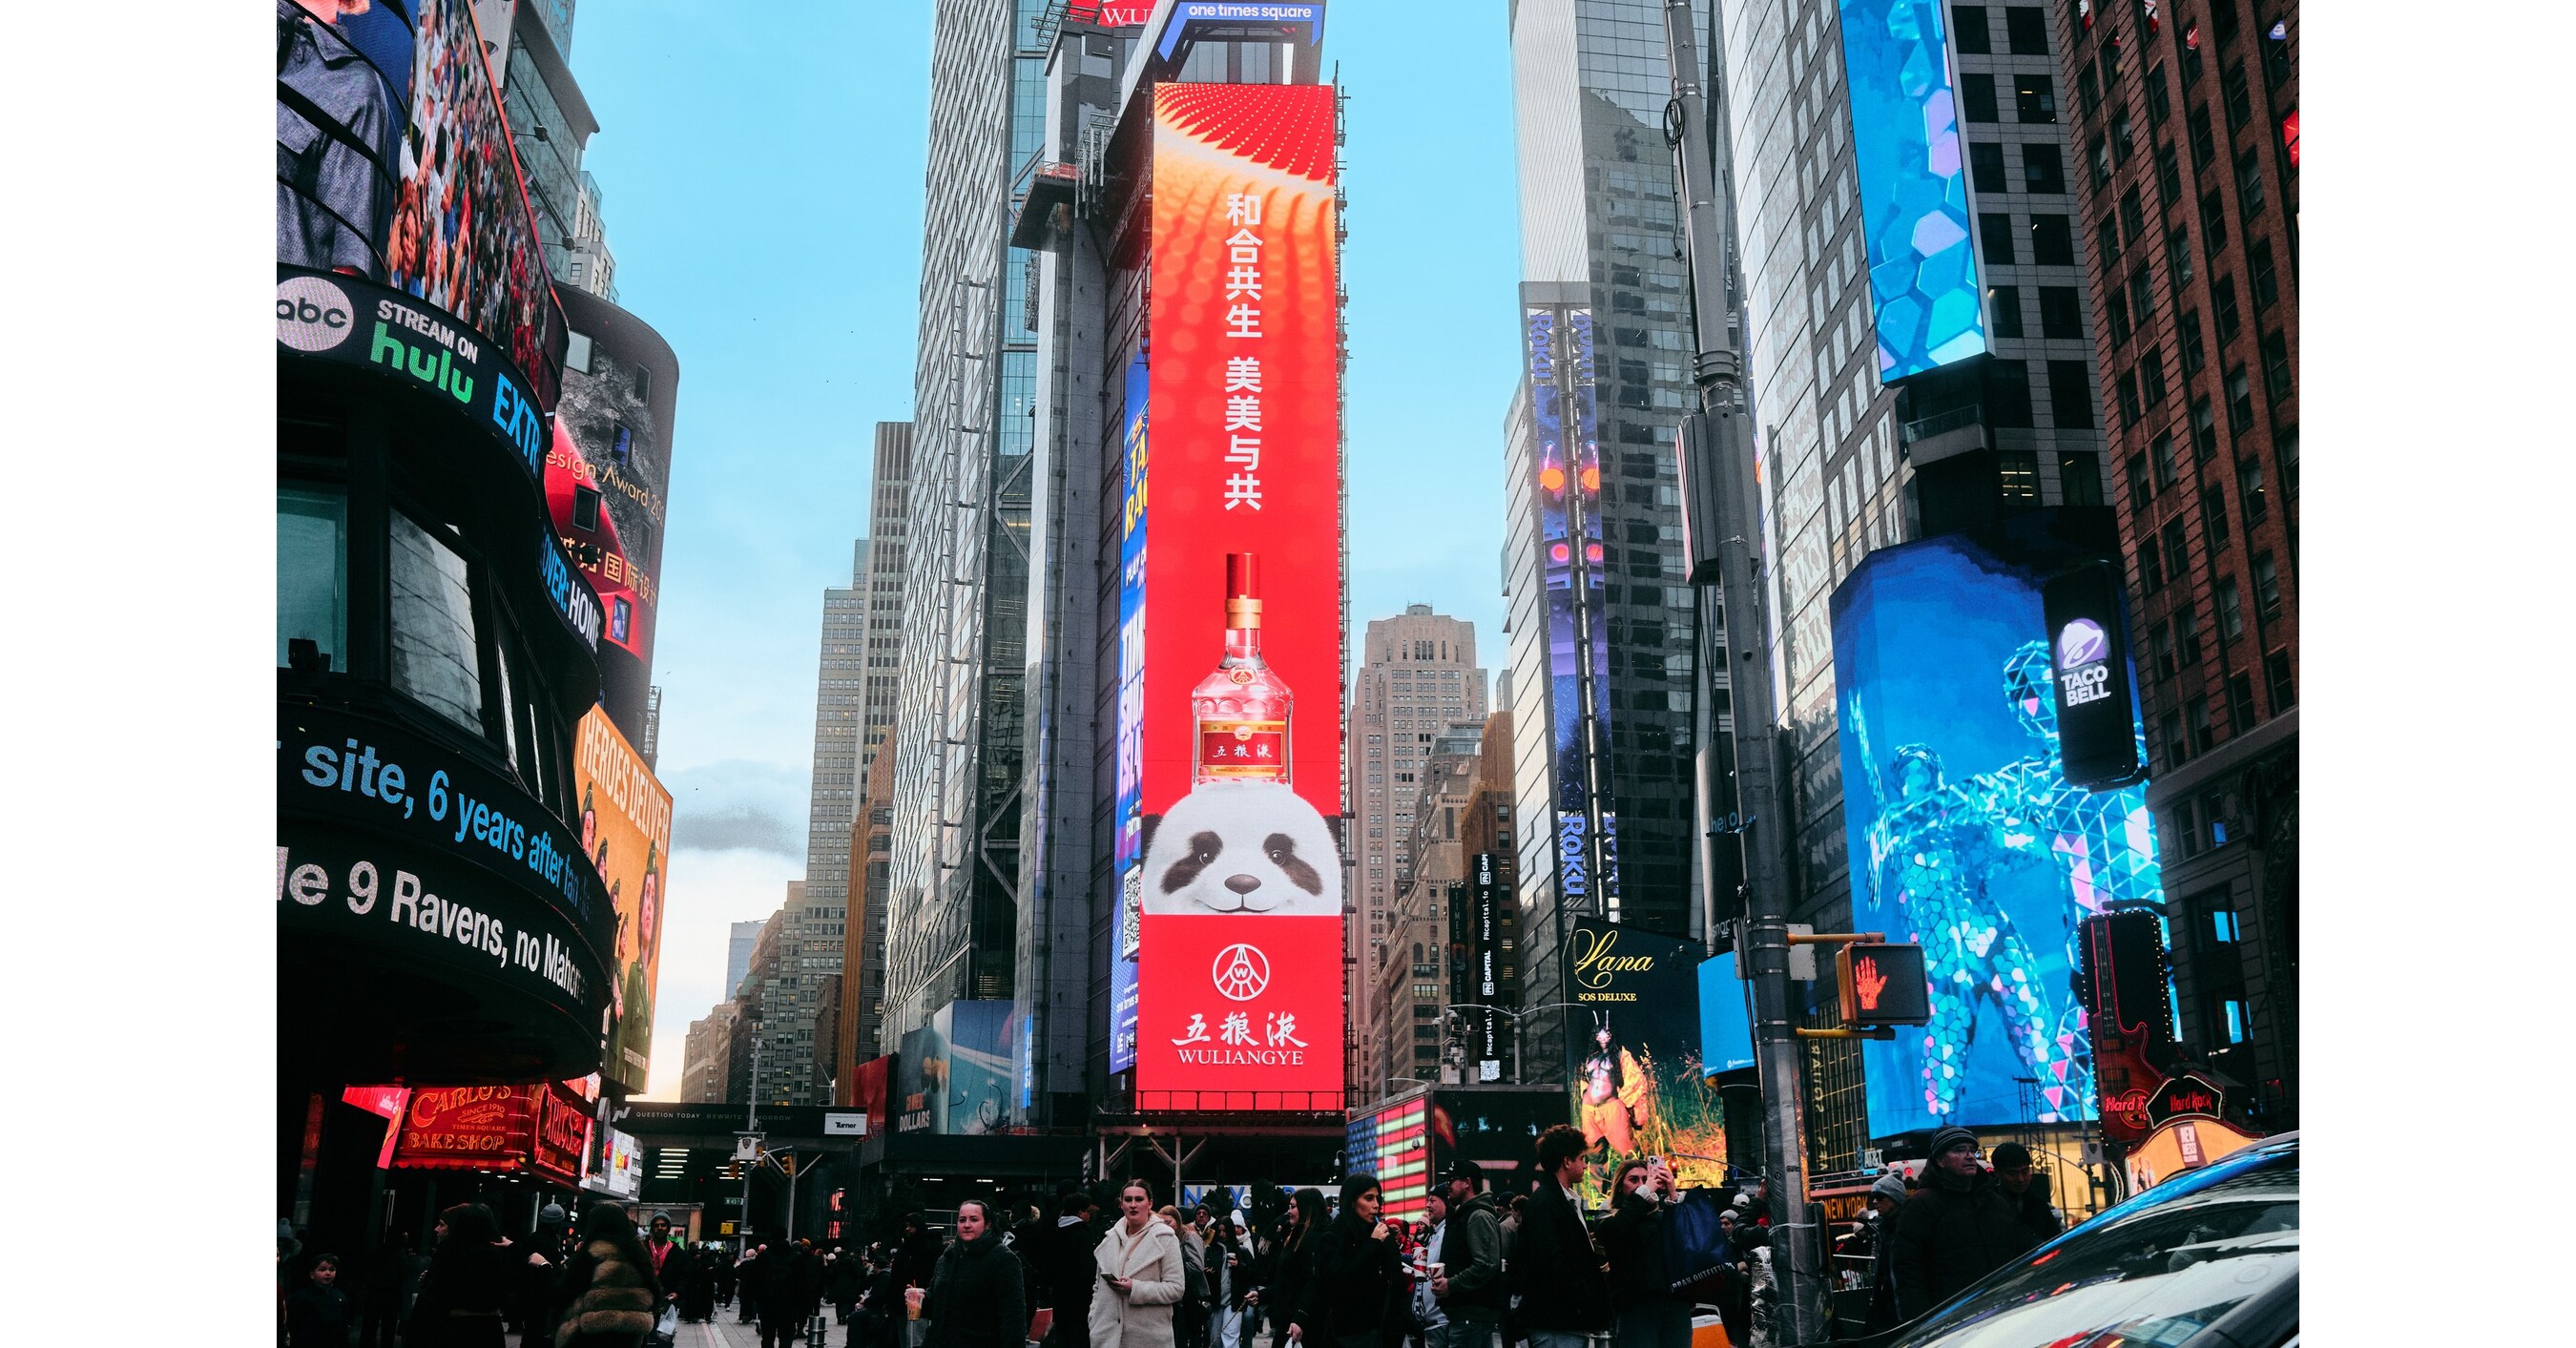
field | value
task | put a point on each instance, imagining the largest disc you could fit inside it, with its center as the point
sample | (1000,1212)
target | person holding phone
(1139,1263)
(1647,1313)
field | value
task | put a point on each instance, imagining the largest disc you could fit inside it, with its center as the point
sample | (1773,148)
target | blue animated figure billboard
(1965,835)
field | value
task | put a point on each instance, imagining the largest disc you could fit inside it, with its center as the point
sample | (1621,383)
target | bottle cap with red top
(1242,590)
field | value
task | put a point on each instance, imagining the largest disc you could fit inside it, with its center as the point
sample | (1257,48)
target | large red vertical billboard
(1238,886)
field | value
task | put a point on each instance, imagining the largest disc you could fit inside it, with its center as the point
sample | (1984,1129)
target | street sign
(746,1146)
(724,1228)
(1882,984)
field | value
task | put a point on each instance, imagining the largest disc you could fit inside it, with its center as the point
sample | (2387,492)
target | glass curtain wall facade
(1848,463)
(1599,210)
(951,913)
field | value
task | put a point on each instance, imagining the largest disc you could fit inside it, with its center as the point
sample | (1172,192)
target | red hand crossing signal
(1882,984)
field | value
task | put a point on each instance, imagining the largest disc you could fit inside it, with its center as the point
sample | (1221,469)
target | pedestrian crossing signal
(1882,984)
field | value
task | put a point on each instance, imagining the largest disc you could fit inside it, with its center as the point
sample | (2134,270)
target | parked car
(2207,1259)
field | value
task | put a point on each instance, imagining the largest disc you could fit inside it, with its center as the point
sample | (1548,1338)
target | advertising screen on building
(1235,888)
(1725,1018)
(1394,1144)
(978,1077)
(577,495)
(920,1078)
(1965,836)
(1634,1057)
(1921,261)
(1129,848)
(1563,415)
(2097,697)
(626,829)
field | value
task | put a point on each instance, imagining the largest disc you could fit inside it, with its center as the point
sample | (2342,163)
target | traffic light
(1882,984)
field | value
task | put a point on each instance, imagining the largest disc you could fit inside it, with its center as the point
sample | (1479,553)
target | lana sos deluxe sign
(1238,894)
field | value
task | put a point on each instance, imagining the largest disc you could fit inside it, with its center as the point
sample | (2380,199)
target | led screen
(1558,354)
(975,1095)
(1725,1018)
(1965,835)
(1394,1144)
(1235,876)
(626,831)
(1130,801)
(1913,186)
(1633,1057)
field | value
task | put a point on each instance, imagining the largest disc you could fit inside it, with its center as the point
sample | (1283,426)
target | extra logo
(313,314)
(2083,663)
(1240,972)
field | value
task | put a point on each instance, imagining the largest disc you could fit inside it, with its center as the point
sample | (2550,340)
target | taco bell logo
(2083,663)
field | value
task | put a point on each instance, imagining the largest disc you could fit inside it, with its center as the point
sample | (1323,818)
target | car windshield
(2153,1270)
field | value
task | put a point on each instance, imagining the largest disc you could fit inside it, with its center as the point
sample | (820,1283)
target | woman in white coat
(1139,1263)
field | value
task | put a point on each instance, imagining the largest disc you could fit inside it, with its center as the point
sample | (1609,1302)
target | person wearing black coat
(1956,1229)
(1284,1276)
(977,1296)
(789,1293)
(1641,1289)
(1066,1273)
(472,1281)
(1355,1293)
(1564,1291)
(319,1314)
(722,1265)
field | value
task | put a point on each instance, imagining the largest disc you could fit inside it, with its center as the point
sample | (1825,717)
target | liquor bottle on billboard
(1243,708)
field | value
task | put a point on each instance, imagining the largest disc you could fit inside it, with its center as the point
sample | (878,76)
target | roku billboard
(1233,883)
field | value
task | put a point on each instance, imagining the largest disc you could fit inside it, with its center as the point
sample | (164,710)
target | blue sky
(762,170)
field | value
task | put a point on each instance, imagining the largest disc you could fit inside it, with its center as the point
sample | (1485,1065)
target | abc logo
(312,313)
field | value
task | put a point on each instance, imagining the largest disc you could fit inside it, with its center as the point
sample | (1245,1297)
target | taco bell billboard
(1234,881)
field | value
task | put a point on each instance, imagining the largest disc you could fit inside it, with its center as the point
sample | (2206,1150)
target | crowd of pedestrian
(1479,1270)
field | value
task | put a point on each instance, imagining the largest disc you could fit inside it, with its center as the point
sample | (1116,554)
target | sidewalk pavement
(726,1331)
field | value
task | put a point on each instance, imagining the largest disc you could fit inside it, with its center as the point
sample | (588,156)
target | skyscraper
(2189,123)
(1600,624)
(951,912)
(1418,676)
(890,510)
(810,941)
(743,936)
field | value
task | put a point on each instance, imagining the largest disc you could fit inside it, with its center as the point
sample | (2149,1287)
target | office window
(2222,306)
(2267,282)
(313,576)
(2204,145)
(2061,312)
(1976,36)
(2277,375)
(434,653)
(2026,28)
(2035,98)
(2213,515)
(2249,489)
(2267,587)
(2190,65)
(2017,480)
(2276,682)
(2159,100)
(2079,478)
(2249,182)
(2142,295)
(2070,394)
(2140,492)
(2151,375)
(2124,137)
(2097,161)
(2236,93)
(2240,703)
(2203,737)
(2285,442)
(2052,239)
(2231,614)
(2133,217)
(2168,176)
(2005,306)
(2088,90)
(2127,393)
(2043,170)
(1995,238)
(2178,257)
(2162,450)
(2240,402)
(2115,311)
(2106,243)
(2187,633)
(2187,345)
(2160,647)
(1986,167)
(2177,547)
(2204,430)
(2151,564)
(2007,395)
(2177,747)
(1977,98)
(643,384)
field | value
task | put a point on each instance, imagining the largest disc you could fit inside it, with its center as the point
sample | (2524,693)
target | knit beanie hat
(1889,1186)
(1947,1138)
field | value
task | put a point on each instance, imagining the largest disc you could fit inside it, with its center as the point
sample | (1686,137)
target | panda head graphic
(1254,848)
